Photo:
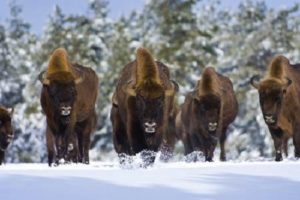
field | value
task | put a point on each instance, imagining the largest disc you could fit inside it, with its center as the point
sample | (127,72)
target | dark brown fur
(279,92)
(6,131)
(144,94)
(212,101)
(68,137)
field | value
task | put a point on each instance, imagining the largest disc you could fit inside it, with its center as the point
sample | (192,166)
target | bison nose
(65,110)
(270,119)
(150,127)
(212,126)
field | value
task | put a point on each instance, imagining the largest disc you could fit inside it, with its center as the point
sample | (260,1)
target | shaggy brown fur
(206,113)
(279,92)
(141,105)
(68,135)
(6,131)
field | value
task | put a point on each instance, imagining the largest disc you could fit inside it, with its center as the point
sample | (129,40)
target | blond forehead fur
(209,82)
(148,81)
(277,67)
(58,62)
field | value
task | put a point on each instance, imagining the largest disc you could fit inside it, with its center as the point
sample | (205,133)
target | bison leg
(209,153)
(188,148)
(84,130)
(194,144)
(119,133)
(148,158)
(50,146)
(86,146)
(296,141)
(59,149)
(277,135)
(285,146)
(71,148)
(222,145)
(80,146)
(1,157)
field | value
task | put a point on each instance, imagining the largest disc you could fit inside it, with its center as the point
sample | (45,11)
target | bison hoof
(208,160)
(297,154)
(223,159)
(278,158)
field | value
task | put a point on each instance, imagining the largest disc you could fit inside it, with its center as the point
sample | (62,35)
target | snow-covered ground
(178,180)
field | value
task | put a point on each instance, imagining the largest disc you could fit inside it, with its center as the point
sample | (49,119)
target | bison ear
(129,90)
(255,81)
(43,79)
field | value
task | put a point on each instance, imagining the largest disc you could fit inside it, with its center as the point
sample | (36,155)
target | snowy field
(179,180)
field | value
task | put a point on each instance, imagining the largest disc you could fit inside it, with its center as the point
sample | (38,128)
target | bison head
(6,131)
(271,94)
(150,107)
(62,94)
(207,109)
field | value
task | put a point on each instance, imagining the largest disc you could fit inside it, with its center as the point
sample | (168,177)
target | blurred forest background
(187,35)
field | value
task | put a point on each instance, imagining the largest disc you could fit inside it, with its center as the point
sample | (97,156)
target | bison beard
(278,96)
(206,113)
(6,131)
(141,105)
(69,107)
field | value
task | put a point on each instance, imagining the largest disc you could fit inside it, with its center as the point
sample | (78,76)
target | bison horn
(172,91)
(288,81)
(10,110)
(43,79)
(78,80)
(255,81)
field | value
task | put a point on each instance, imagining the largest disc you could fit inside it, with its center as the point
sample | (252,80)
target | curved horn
(288,81)
(175,85)
(43,79)
(173,90)
(78,80)
(254,81)
(11,110)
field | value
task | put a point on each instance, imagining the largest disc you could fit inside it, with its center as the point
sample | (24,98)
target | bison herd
(144,115)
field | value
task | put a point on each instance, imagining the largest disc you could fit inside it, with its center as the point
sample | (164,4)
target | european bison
(142,103)
(6,131)
(68,99)
(279,94)
(206,113)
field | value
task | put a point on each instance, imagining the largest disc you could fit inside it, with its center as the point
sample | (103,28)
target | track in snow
(178,180)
